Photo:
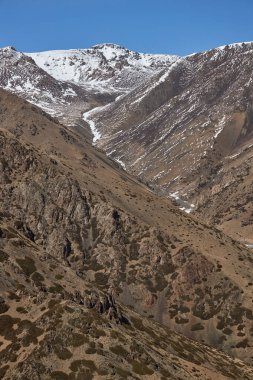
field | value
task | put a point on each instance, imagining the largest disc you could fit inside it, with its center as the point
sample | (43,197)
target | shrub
(27,265)
(197,326)
(3,256)
(119,351)
(141,369)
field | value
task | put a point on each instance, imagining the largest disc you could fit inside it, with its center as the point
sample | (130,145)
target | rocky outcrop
(107,305)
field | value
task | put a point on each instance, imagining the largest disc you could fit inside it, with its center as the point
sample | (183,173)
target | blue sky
(157,26)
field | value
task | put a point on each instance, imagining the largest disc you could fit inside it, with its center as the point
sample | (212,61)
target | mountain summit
(104,67)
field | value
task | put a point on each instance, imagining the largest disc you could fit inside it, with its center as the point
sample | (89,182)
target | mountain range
(103,276)
(180,124)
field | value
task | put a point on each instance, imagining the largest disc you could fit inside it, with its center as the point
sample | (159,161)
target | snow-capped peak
(8,48)
(105,67)
(108,45)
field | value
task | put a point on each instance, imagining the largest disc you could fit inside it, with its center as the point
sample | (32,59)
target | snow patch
(120,162)
(69,92)
(87,117)
(183,205)
(220,127)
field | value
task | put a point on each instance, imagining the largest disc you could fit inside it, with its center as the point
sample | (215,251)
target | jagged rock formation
(106,229)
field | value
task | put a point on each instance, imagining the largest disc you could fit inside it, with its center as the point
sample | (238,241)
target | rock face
(79,208)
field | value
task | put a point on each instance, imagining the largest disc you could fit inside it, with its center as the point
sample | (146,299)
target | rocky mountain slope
(188,132)
(77,206)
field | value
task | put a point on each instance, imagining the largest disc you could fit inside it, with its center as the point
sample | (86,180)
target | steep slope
(185,129)
(72,201)
(54,325)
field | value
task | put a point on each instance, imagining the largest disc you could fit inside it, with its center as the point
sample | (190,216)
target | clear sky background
(155,26)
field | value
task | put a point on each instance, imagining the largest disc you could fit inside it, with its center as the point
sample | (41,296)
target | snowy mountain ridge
(102,67)
(67,83)
(19,74)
